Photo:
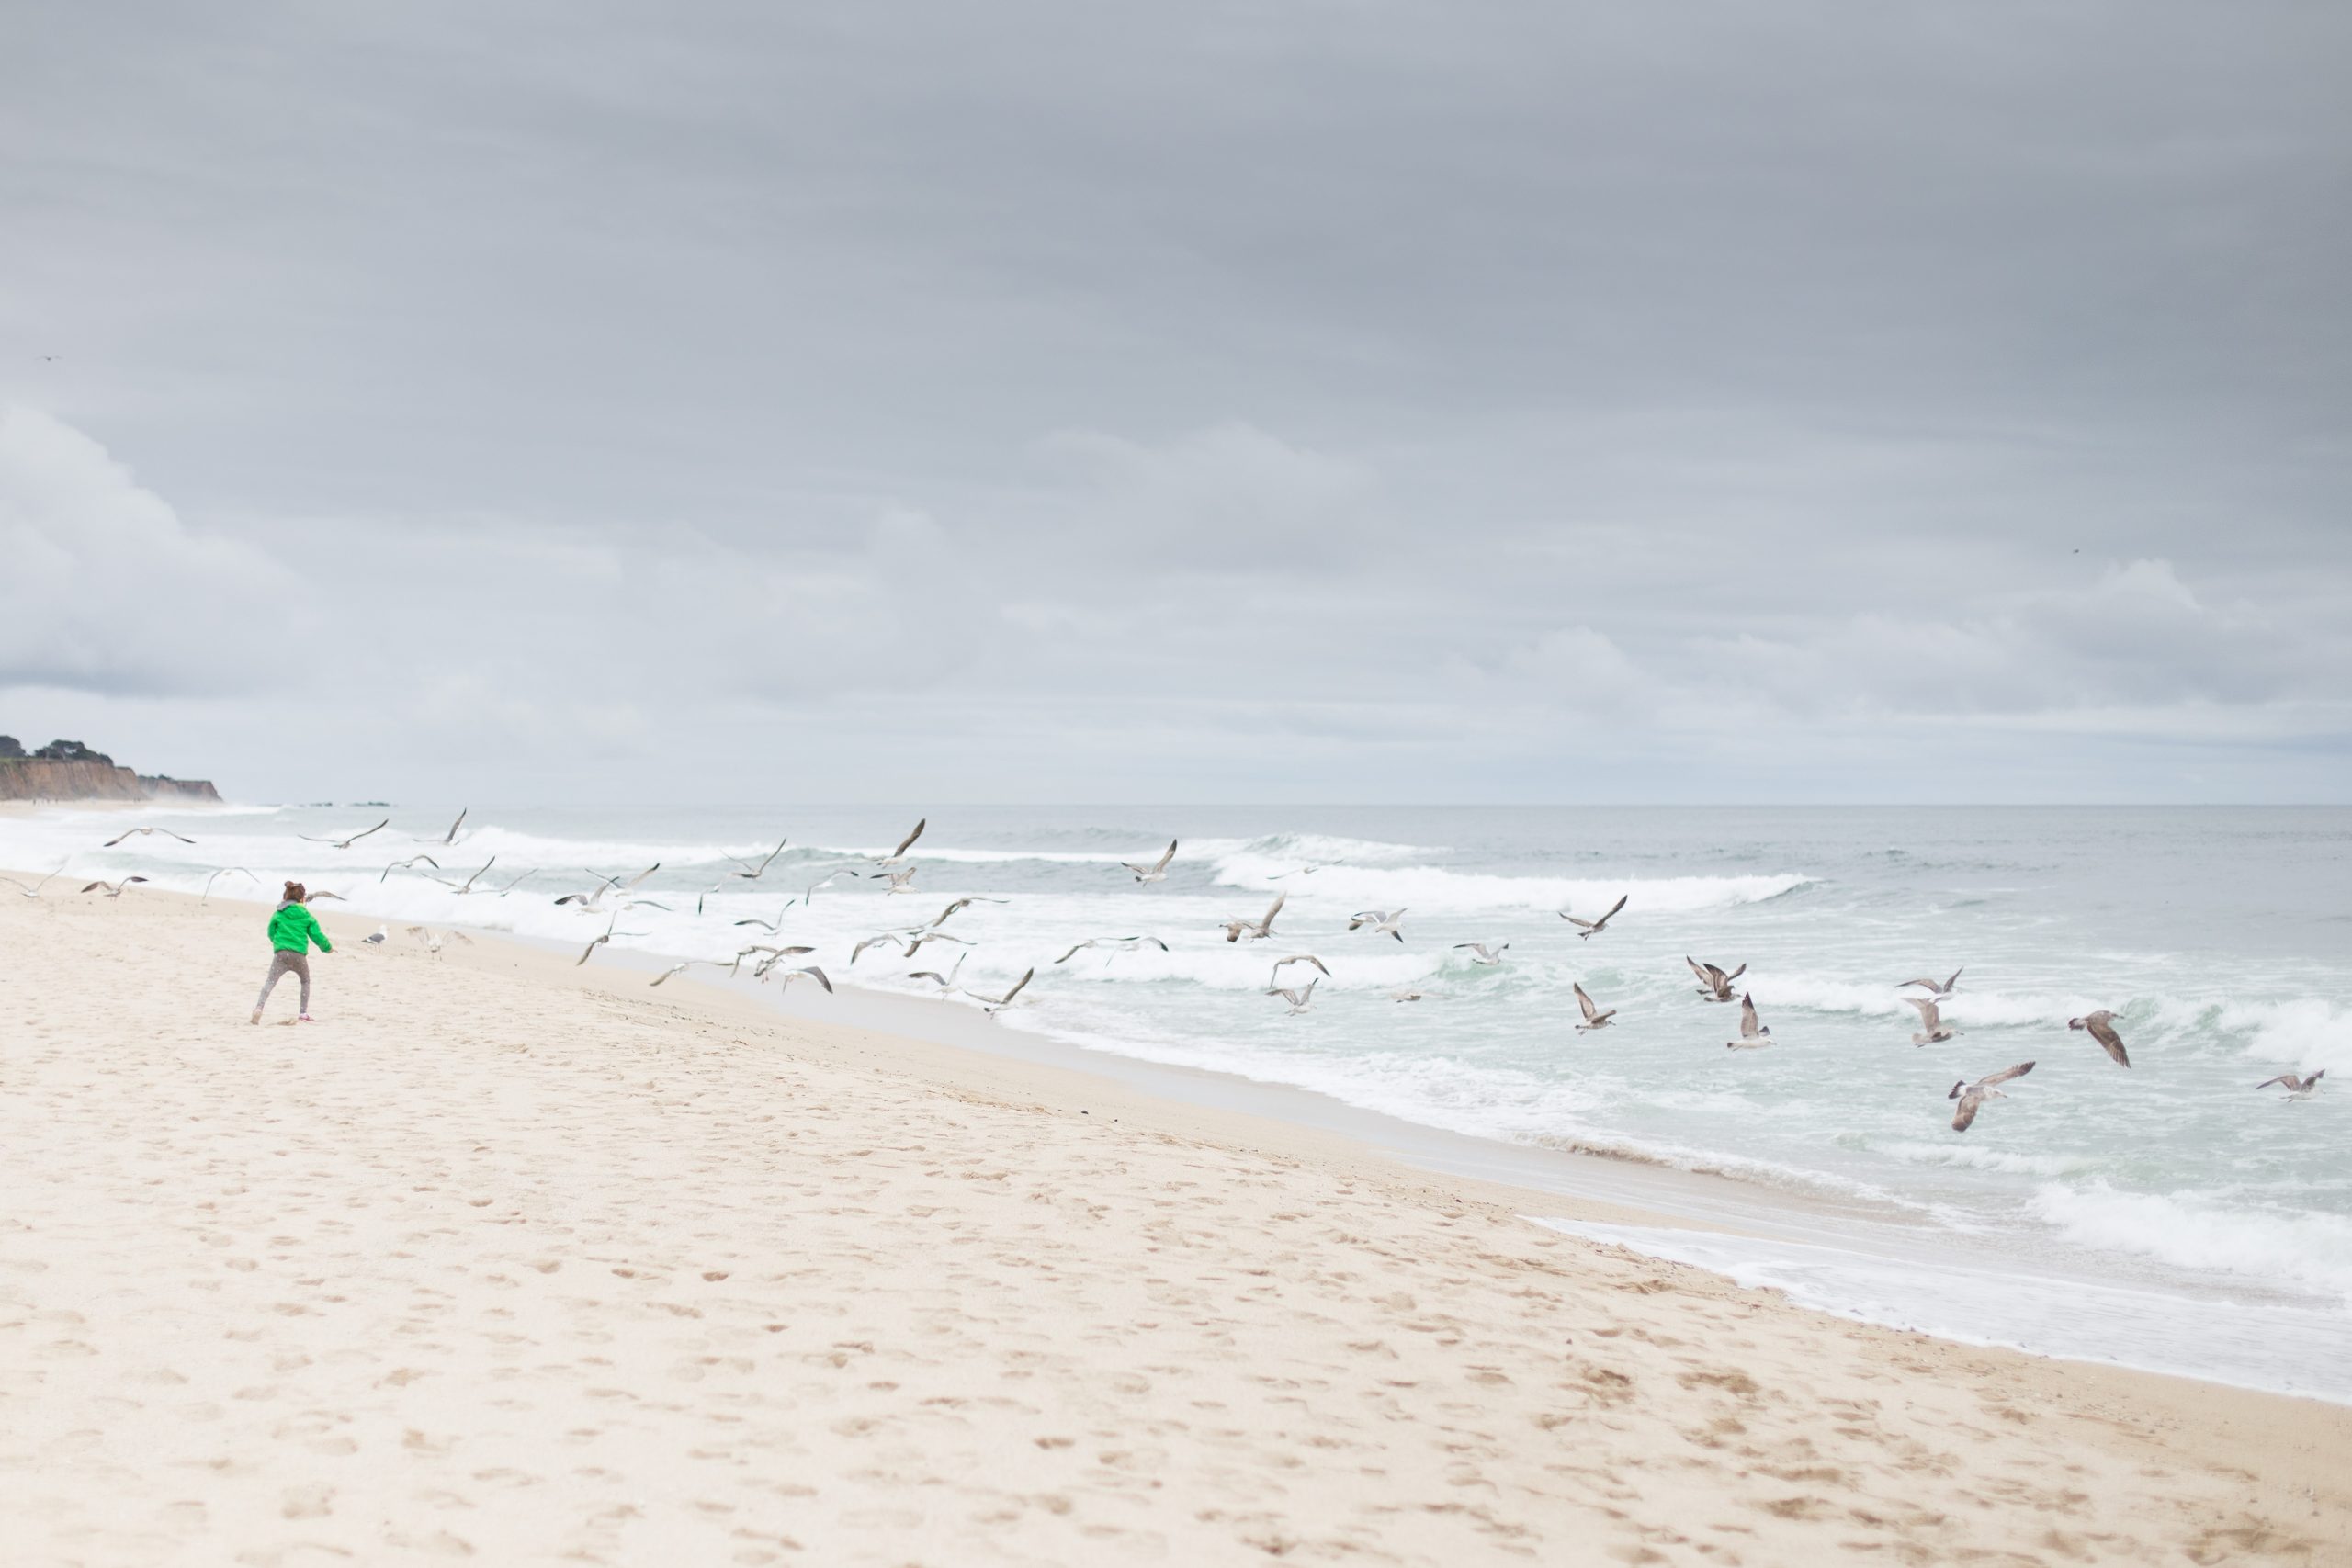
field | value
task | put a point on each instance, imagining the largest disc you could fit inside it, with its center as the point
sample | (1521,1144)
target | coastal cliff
(67,770)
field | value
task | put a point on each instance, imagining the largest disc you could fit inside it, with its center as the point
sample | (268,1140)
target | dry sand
(510,1261)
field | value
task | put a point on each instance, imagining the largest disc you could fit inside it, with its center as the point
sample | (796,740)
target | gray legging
(284,963)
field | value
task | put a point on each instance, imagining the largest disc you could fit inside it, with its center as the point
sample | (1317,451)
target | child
(292,930)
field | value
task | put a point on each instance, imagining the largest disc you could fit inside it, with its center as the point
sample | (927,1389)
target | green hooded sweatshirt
(292,928)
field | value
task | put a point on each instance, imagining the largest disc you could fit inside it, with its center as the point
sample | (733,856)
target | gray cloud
(1471,402)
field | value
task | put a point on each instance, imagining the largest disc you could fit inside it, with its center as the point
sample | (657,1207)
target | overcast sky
(1331,401)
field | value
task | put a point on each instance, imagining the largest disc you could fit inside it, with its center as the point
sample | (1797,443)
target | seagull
(2297,1087)
(1940,990)
(135,833)
(1934,1031)
(752,873)
(408,864)
(318,895)
(344,843)
(225,870)
(761,966)
(962,904)
(1122,943)
(1300,997)
(448,838)
(34,891)
(1482,954)
(1593,1017)
(823,881)
(899,855)
(1258,928)
(434,941)
(113,889)
(944,982)
(589,951)
(1972,1095)
(467,886)
(2101,1027)
(1280,964)
(812,972)
(1309,869)
(994,1005)
(901,881)
(590,900)
(517,882)
(915,940)
(770,926)
(1590,929)
(1406,995)
(375,938)
(1753,1036)
(1383,922)
(1158,870)
(1713,984)
(877,940)
(678,969)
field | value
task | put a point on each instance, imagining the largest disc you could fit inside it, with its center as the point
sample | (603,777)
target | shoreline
(527,1130)
(1883,1268)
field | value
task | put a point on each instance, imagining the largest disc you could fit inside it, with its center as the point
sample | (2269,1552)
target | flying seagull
(225,870)
(1117,943)
(135,833)
(994,1005)
(1974,1095)
(589,951)
(899,855)
(408,864)
(754,873)
(1933,1030)
(2297,1087)
(1940,990)
(467,886)
(113,889)
(451,836)
(435,940)
(812,972)
(2101,1025)
(1300,997)
(1753,1036)
(878,940)
(770,926)
(1593,1017)
(1383,922)
(1713,984)
(1282,964)
(1158,870)
(958,907)
(344,843)
(1590,929)
(1258,928)
(944,982)
(34,891)
(901,880)
(1482,954)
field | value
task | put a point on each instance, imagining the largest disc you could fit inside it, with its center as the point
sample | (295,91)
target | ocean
(2168,1216)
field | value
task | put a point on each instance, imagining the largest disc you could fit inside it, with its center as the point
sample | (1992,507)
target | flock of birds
(614,895)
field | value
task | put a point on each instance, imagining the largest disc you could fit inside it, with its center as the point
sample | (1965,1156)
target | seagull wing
(1965,1112)
(2103,1031)
(1586,1003)
(1930,1019)
(905,842)
(1076,948)
(2004,1075)
(1748,1017)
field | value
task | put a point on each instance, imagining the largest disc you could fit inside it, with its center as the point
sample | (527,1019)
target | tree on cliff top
(70,752)
(10,747)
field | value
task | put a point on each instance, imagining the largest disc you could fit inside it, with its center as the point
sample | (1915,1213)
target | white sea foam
(1434,890)
(2311,1250)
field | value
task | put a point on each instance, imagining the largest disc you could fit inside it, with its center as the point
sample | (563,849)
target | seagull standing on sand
(1258,928)
(1158,870)
(1383,922)
(2100,1026)
(375,938)
(1482,954)
(1933,1030)
(1713,984)
(345,843)
(1939,991)
(113,889)
(1974,1095)
(1590,929)
(2297,1087)
(1593,1017)
(1300,997)
(1753,1036)
(135,833)
(994,1005)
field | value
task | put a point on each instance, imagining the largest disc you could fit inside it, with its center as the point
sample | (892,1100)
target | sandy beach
(512,1260)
